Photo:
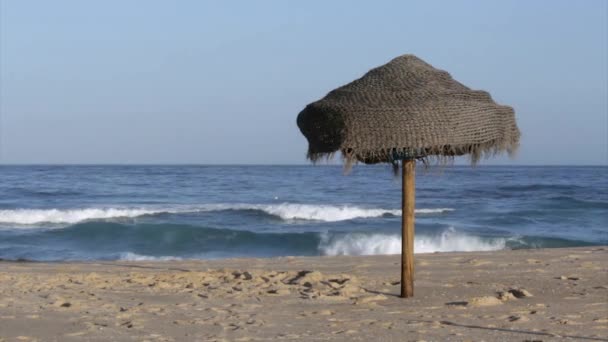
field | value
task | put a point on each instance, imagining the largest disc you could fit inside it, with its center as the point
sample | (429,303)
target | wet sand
(525,295)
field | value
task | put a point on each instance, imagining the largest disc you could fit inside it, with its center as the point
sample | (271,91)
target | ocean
(153,212)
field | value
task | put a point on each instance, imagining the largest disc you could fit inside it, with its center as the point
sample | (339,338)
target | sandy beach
(523,295)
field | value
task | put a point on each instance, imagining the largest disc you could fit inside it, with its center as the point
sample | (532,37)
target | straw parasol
(402,112)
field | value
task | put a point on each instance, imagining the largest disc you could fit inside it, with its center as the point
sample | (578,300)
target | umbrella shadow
(470,326)
(537,333)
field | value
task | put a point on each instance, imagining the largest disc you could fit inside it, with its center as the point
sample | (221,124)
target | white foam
(325,213)
(361,244)
(372,244)
(128,256)
(332,213)
(286,211)
(33,216)
(431,211)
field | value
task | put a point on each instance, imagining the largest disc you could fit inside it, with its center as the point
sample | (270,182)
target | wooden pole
(407,228)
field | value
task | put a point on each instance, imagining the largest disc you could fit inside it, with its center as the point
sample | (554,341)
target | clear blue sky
(117,81)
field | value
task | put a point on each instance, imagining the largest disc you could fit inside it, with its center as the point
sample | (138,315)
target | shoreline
(175,259)
(527,294)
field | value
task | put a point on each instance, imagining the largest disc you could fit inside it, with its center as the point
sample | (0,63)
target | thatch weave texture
(407,109)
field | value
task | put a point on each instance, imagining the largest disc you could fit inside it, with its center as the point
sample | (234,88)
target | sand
(525,295)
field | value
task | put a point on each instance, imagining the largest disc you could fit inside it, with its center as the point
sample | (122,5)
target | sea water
(182,212)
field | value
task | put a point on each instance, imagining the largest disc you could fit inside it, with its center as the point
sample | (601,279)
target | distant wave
(42,193)
(34,216)
(448,241)
(285,211)
(569,202)
(539,187)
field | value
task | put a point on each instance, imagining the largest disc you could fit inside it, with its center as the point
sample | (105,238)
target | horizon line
(283,164)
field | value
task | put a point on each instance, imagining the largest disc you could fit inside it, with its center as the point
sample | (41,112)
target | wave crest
(285,211)
(326,213)
(448,241)
(34,216)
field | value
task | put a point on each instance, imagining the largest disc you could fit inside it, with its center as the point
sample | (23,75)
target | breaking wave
(34,216)
(329,213)
(285,211)
(371,244)
(167,242)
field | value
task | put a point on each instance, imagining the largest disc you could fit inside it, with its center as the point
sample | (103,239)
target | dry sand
(526,295)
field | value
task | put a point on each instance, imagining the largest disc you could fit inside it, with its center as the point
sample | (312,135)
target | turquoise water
(168,212)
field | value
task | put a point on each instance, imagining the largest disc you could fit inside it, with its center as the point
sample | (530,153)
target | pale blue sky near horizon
(221,82)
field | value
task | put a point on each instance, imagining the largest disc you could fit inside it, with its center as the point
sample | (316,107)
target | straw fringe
(441,155)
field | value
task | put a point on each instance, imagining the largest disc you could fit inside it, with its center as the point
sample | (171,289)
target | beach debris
(457,303)
(513,293)
(520,293)
(518,318)
(505,295)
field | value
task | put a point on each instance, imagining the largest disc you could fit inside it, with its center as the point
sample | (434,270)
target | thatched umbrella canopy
(403,111)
